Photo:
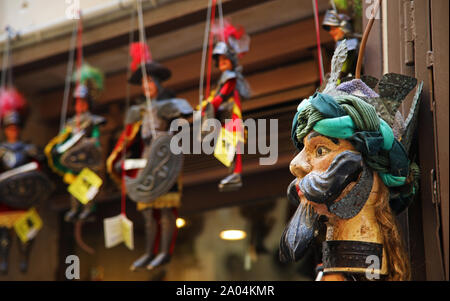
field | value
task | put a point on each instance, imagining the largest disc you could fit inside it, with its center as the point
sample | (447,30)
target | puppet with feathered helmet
(224,103)
(155,185)
(78,144)
(22,184)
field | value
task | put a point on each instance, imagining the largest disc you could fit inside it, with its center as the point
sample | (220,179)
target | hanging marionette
(153,181)
(340,27)
(77,145)
(22,184)
(224,103)
(353,173)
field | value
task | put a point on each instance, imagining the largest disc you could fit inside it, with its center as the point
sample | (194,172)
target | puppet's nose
(300,166)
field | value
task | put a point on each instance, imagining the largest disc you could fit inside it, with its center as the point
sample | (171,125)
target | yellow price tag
(226,147)
(86,186)
(28,226)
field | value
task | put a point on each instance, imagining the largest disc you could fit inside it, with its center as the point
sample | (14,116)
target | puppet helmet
(333,18)
(222,48)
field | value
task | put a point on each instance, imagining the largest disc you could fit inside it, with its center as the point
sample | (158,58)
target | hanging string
(6,61)
(79,64)
(221,22)
(69,72)
(211,40)
(127,105)
(205,49)
(333,5)
(319,47)
(144,73)
(364,39)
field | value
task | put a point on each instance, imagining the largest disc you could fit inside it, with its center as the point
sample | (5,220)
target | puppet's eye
(322,150)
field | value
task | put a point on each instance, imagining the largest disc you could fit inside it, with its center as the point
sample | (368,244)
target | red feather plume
(139,52)
(11,100)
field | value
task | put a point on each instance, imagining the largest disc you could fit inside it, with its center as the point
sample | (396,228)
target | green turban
(351,118)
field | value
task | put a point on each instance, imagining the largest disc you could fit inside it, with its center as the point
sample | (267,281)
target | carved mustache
(299,233)
(325,188)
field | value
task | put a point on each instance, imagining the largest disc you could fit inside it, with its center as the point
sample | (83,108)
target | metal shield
(160,173)
(83,154)
(24,190)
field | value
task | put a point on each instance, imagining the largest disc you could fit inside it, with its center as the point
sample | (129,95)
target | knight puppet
(22,184)
(224,103)
(340,27)
(78,144)
(142,158)
(353,175)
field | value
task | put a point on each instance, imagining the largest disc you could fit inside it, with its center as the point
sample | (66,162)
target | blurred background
(281,67)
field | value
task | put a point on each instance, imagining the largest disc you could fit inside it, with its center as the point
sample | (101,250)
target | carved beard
(324,188)
(299,233)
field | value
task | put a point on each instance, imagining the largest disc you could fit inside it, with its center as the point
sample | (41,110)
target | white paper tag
(91,193)
(135,164)
(127,232)
(118,229)
(113,231)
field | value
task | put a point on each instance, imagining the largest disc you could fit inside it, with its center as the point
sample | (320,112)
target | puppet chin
(299,233)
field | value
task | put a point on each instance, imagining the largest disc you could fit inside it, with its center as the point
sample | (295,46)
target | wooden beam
(186,68)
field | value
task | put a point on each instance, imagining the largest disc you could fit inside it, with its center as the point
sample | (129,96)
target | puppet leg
(168,235)
(5,245)
(25,249)
(87,210)
(233,181)
(150,235)
(74,206)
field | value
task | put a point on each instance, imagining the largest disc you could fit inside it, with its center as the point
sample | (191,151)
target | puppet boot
(208,114)
(87,210)
(25,249)
(70,215)
(232,182)
(5,245)
(150,235)
(168,228)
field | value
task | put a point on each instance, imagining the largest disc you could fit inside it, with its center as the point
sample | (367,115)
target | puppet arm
(225,92)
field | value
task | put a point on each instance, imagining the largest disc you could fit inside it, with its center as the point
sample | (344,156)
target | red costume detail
(139,52)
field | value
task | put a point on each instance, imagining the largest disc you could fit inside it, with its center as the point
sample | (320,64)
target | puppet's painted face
(12,133)
(337,33)
(225,63)
(327,171)
(81,106)
(317,156)
(152,87)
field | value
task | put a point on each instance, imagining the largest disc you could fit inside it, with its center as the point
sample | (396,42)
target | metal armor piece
(26,189)
(221,48)
(160,173)
(333,18)
(170,109)
(83,153)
